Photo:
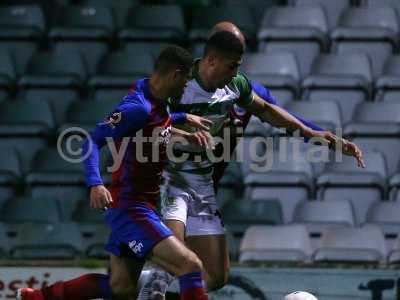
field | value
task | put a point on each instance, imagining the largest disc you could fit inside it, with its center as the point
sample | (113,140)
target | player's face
(225,68)
(180,79)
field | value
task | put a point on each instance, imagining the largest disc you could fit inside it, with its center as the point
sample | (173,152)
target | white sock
(154,284)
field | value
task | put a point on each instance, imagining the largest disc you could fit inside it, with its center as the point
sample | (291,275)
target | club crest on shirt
(164,135)
(114,119)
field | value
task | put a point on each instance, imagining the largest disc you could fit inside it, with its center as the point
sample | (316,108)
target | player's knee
(191,263)
(123,290)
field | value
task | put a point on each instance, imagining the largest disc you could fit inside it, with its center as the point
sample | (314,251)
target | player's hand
(100,197)
(351,149)
(203,139)
(325,137)
(198,122)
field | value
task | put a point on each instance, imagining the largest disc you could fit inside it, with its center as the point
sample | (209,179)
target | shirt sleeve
(125,120)
(244,87)
(178,118)
(265,94)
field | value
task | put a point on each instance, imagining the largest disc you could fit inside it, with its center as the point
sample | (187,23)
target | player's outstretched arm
(191,120)
(201,138)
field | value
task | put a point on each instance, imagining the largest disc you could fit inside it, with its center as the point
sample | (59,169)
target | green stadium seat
(119,8)
(23,209)
(27,146)
(91,51)
(239,214)
(86,114)
(3,242)
(208,16)
(110,94)
(47,241)
(150,47)
(25,118)
(68,196)
(85,22)
(49,168)
(7,70)
(21,52)
(121,69)
(21,22)
(154,23)
(94,236)
(56,70)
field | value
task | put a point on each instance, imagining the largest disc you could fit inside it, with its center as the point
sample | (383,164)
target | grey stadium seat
(388,84)
(379,3)
(319,215)
(394,255)
(294,24)
(7,71)
(385,214)
(288,181)
(366,244)
(367,30)
(275,243)
(332,8)
(10,173)
(344,180)
(274,70)
(326,114)
(154,23)
(349,72)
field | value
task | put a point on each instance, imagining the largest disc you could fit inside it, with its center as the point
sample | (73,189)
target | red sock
(89,286)
(191,286)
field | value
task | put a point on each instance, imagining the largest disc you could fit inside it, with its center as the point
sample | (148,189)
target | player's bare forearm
(277,116)
(200,138)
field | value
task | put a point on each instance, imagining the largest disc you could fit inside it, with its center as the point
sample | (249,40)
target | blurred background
(335,62)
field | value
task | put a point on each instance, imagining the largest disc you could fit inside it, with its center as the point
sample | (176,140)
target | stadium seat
(7,71)
(47,241)
(139,47)
(95,236)
(86,114)
(239,214)
(344,180)
(332,8)
(154,23)
(367,30)
(274,70)
(10,174)
(49,168)
(256,127)
(110,94)
(21,22)
(25,118)
(294,24)
(91,51)
(208,16)
(121,69)
(55,70)
(41,210)
(320,215)
(379,3)
(86,22)
(21,52)
(275,243)
(326,114)
(385,214)
(388,84)
(394,255)
(366,244)
(305,52)
(3,242)
(330,73)
(288,180)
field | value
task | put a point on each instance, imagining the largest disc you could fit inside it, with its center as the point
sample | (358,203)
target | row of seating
(291,243)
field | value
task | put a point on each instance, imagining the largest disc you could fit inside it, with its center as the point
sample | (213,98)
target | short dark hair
(173,57)
(224,42)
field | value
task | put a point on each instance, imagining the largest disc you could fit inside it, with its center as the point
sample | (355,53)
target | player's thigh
(177,227)
(172,255)
(125,272)
(214,254)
